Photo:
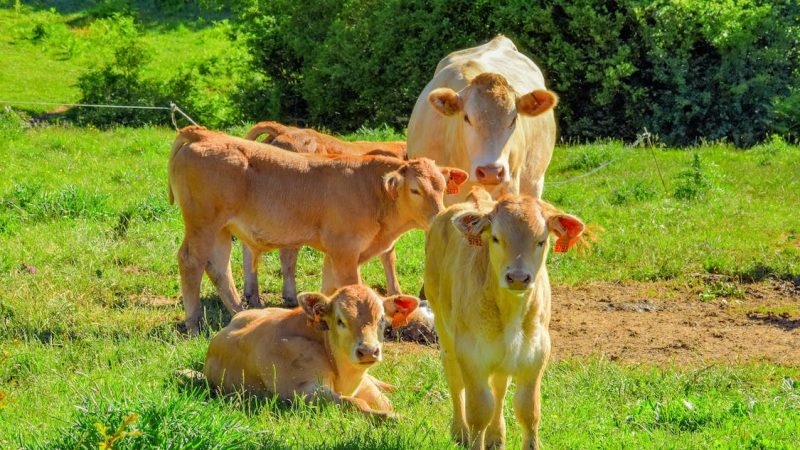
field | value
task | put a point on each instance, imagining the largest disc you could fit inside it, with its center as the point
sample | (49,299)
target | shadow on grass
(779,320)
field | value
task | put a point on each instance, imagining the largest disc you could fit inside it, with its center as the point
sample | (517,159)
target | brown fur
(306,140)
(319,350)
(352,208)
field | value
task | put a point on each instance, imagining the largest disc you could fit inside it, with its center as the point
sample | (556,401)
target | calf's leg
(389,261)
(219,271)
(250,269)
(527,409)
(479,405)
(193,256)
(496,432)
(288,271)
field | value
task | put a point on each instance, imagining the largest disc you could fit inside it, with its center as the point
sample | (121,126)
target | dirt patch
(660,323)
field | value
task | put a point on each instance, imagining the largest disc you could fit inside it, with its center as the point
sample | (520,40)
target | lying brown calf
(307,140)
(319,350)
(352,208)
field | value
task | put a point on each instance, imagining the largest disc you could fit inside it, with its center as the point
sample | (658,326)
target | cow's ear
(537,102)
(445,100)
(568,228)
(455,178)
(392,182)
(316,306)
(471,224)
(398,307)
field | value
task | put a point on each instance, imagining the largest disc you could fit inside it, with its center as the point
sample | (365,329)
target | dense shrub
(687,70)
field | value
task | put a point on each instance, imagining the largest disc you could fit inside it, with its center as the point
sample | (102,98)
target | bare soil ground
(660,323)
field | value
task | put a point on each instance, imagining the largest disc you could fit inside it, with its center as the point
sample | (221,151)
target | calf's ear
(471,224)
(445,100)
(568,229)
(392,182)
(399,307)
(536,102)
(316,306)
(455,178)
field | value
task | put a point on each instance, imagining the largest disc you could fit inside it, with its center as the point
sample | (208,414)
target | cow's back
(454,271)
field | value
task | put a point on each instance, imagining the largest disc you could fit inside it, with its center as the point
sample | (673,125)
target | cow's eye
(466,119)
(540,244)
(513,122)
(415,192)
(340,322)
(495,240)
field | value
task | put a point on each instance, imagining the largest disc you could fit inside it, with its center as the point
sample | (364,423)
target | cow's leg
(340,270)
(527,409)
(455,384)
(288,271)
(389,261)
(478,402)
(192,259)
(219,271)
(250,268)
(496,432)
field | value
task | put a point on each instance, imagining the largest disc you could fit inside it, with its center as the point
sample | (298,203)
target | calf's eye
(540,244)
(340,322)
(495,240)
(415,192)
(466,119)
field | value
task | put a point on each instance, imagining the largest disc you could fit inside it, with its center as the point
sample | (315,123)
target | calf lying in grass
(320,350)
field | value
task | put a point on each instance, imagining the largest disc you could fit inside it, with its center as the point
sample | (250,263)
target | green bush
(686,70)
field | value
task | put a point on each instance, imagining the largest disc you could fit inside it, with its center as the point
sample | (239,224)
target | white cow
(487,111)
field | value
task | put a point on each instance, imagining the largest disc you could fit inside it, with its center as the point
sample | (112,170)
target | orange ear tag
(399,320)
(564,243)
(474,240)
(452,187)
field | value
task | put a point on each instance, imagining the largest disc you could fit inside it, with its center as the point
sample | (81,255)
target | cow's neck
(513,310)
(346,377)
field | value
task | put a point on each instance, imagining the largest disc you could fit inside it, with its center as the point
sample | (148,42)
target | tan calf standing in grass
(319,350)
(486,281)
(306,140)
(352,208)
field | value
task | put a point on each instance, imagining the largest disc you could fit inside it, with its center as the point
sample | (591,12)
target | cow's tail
(186,135)
(271,129)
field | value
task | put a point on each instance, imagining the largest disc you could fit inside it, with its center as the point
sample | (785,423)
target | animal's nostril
(367,352)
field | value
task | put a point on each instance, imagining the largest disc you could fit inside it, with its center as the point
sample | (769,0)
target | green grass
(76,41)
(88,319)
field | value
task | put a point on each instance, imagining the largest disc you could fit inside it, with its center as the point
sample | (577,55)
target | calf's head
(488,108)
(515,233)
(354,319)
(419,186)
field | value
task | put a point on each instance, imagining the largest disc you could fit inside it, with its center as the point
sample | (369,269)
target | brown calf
(351,208)
(319,350)
(486,281)
(306,140)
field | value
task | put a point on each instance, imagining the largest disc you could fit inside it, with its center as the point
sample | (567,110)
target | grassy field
(88,337)
(88,319)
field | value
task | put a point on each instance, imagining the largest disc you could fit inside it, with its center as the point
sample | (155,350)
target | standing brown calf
(351,208)
(307,140)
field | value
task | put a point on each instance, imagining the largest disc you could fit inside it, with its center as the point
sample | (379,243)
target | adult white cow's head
(489,110)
